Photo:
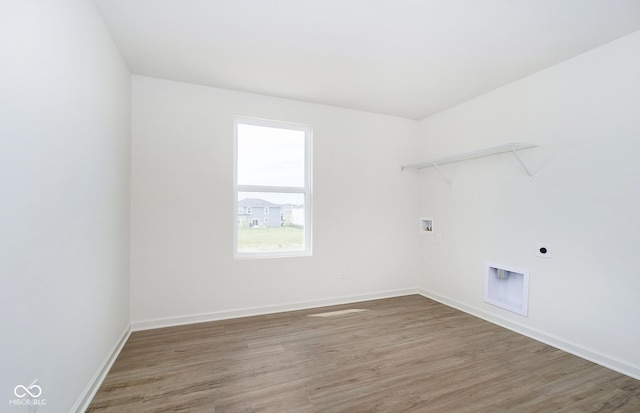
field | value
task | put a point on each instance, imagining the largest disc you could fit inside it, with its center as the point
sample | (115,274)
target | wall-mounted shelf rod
(493,150)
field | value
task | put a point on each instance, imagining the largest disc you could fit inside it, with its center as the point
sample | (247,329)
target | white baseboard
(253,311)
(604,360)
(98,377)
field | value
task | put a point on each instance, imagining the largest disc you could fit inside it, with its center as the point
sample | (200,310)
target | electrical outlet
(342,272)
(543,250)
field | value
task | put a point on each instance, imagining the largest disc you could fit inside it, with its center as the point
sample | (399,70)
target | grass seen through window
(257,239)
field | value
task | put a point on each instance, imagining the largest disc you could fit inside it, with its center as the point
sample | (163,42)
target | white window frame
(266,220)
(306,190)
(266,210)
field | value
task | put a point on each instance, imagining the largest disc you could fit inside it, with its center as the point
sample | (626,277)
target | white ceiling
(409,58)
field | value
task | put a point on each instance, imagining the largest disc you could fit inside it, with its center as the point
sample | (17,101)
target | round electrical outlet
(543,250)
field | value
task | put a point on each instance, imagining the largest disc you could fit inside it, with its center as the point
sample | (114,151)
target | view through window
(272,188)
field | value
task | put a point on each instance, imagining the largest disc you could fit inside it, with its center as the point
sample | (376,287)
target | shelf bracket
(441,173)
(521,162)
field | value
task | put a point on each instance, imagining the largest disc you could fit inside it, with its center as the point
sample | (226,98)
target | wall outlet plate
(543,250)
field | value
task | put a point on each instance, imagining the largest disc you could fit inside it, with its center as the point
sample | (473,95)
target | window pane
(270,156)
(282,229)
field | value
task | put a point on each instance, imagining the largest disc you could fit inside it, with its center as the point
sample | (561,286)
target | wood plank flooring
(404,354)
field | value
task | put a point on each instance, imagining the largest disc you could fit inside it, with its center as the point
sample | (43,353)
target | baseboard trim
(254,311)
(82,404)
(554,341)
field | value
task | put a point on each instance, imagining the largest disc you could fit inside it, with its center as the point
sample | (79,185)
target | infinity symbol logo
(22,391)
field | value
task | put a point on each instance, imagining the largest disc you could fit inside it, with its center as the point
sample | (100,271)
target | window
(272,171)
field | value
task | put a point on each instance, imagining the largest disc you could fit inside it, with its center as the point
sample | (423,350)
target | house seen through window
(272,189)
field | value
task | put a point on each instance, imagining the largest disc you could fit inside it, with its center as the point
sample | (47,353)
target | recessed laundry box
(507,287)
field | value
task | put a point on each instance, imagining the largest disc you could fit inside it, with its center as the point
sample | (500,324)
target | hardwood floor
(405,354)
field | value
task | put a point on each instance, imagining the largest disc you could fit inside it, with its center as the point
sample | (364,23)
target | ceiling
(408,58)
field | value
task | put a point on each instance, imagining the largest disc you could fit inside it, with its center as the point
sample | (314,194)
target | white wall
(584,199)
(182,210)
(64,198)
